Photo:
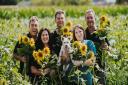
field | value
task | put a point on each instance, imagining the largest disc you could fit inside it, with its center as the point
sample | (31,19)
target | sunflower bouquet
(26,46)
(44,58)
(80,51)
(103,31)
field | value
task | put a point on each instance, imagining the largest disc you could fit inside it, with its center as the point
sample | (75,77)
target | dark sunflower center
(40,54)
(65,30)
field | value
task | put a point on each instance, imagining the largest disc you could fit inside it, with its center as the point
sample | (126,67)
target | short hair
(33,18)
(59,12)
(90,11)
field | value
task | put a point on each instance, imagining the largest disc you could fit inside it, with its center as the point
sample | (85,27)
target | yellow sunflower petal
(91,53)
(69,24)
(25,39)
(46,51)
(40,55)
(70,34)
(32,42)
(65,30)
(76,44)
(83,49)
(34,54)
(104,21)
(103,18)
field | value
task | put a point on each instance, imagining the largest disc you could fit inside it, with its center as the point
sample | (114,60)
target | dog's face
(66,42)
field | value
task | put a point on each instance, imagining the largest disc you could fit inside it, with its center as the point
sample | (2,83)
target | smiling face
(79,34)
(33,27)
(60,19)
(90,19)
(45,37)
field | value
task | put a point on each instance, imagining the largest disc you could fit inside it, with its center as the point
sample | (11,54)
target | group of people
(45,38)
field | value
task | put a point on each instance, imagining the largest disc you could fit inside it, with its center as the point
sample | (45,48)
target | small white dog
(66,49)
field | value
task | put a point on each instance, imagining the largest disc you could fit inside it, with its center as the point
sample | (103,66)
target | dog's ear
(62,38)
(70,38)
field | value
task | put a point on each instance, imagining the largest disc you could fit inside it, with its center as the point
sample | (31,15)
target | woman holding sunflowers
(41,64)
(86,47)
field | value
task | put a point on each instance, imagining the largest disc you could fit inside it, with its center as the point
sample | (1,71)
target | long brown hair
(39,43)
(80,27)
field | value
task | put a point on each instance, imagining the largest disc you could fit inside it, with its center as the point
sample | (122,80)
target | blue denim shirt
(90,45)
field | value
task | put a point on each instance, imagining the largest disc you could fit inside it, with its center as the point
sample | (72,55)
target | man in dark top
(56,40)
(90,34)
(56,35)
(33,30)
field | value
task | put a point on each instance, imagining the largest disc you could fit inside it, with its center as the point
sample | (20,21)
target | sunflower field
(14,21)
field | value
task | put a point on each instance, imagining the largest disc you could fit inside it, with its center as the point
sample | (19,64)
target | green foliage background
(14,21)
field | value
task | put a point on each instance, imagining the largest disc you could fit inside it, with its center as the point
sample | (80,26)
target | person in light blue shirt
(90,45)
(83,66)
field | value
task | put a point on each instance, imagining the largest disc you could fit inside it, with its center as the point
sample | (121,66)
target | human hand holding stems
(45,71)
(23,59)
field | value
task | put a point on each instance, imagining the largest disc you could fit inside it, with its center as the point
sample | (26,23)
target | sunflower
(65,30)
(76,44)
(25,39)
(103,25)
(101,30)
(39,56)
(70,34)
(104,21)
(91,54)
(69,24)
(46,51)
(32,42)
(83,50)
(20,39)
(103,18)
(35,54)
